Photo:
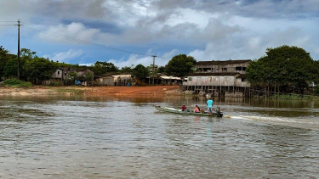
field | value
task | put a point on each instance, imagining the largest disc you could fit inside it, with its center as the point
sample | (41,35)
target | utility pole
(19,48)
(153,67)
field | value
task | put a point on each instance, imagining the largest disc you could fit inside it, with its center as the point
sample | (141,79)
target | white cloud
(132,60)
(74,32)
(160,60)
(65,56)
(207,30)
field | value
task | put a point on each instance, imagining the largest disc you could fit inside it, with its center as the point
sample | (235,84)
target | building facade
(219,78)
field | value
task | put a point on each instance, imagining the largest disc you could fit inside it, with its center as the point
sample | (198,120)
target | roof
(242,76)
(170,77)
(112,74)
(220,62)
(215,74)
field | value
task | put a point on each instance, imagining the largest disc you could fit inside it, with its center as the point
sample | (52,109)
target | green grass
(14,82)
(293,97)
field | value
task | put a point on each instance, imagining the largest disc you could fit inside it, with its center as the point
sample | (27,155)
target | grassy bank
(294,97)
(16,83)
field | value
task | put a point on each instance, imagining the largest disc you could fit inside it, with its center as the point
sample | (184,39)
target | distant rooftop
(222,62)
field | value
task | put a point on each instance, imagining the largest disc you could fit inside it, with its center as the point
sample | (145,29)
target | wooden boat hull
(216,113)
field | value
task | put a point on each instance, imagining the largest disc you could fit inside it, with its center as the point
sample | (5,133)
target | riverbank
(92,91)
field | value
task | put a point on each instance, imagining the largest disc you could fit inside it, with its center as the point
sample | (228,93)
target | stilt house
(219,78)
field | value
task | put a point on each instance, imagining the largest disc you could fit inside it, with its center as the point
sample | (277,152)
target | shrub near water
(16,83)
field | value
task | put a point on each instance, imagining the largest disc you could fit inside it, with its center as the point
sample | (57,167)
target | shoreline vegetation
(15,87)
(132,91)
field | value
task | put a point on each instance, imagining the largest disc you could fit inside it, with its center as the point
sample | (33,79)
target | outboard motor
(219,113)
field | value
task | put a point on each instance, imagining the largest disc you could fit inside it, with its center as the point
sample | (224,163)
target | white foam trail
(277,119)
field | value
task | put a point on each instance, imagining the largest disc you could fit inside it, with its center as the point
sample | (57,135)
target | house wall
(121,78)
(57,74)
(109,81)
(240,83)
(210,81)
(217,68)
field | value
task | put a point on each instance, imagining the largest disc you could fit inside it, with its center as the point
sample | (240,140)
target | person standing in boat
(210,105)
(197,109)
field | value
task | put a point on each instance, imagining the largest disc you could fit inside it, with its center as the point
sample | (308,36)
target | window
(224,69)
(243,79)
(241,68)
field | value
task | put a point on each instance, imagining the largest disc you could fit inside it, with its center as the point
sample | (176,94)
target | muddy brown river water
(123,137)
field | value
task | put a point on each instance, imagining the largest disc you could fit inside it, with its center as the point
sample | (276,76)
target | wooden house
(161,79)
(62,76)
(215,66)
(114,80)
(220,78)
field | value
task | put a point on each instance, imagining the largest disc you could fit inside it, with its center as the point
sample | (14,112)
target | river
(123,137)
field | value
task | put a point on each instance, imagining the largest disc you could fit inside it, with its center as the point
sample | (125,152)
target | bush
(13,82)
(292,97)
(55,83)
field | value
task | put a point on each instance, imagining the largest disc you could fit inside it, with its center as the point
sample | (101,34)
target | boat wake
(308,123)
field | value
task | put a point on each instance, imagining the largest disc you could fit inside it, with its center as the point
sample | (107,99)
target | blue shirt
(210,103)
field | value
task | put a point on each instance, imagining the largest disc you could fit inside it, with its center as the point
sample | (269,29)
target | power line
(76,40)
(8,21)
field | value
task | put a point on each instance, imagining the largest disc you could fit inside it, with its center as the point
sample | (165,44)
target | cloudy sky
(129,32)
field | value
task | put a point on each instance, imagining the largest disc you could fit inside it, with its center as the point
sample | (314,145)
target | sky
(130,32)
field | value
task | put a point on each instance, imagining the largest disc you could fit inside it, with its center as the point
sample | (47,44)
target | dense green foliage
(13,82)
(4,58)
(38,69)
(284,68)
(127,69)
(140,72)
(180,65)
(100,68)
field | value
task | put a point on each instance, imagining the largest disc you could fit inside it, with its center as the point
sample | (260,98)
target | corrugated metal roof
(216,74)
(220,62)
(170,77)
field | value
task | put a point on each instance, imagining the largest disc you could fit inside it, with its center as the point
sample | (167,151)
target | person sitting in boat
(197,109)
(183,108)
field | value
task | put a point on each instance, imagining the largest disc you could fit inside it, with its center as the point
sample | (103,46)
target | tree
(180,65)
(100,68)
(127,69)
(161,69)
(27,53)
(38,69)
(140,72)
(283,66)
(5,56)
(88,76)
(11,68)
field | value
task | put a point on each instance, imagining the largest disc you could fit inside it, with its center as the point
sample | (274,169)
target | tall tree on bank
(100,68)
(180,65)
(282,67)
(5,56)
(140,72)
(38,69)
